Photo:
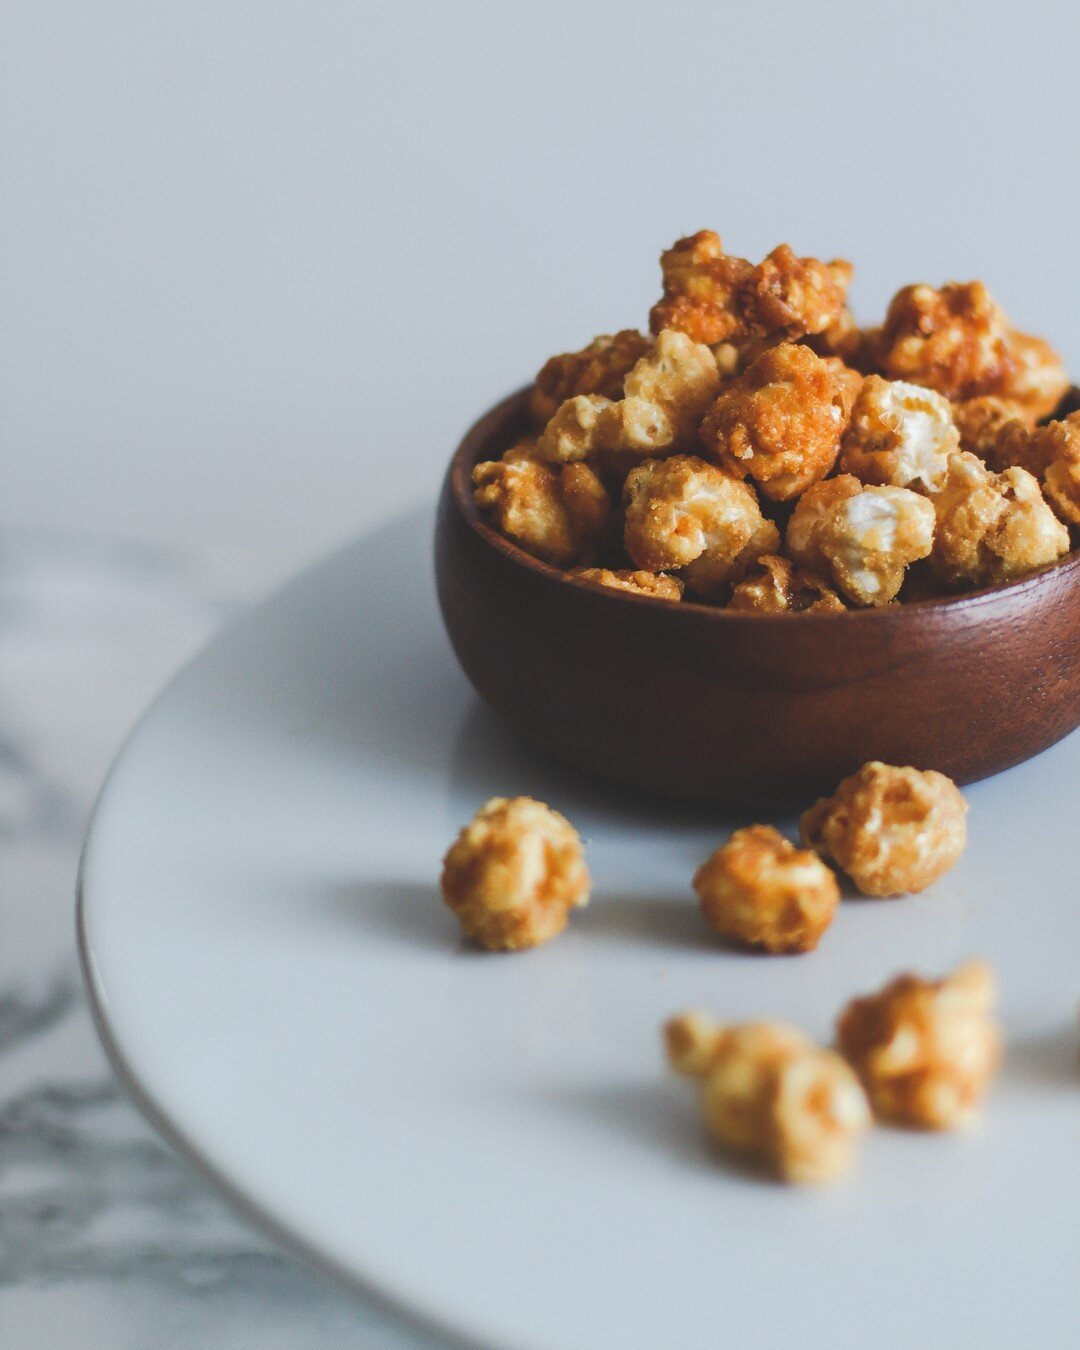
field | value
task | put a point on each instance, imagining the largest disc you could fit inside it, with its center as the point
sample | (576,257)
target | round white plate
(492,1142)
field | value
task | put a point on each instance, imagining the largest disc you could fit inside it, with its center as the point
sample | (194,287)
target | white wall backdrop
(260,262)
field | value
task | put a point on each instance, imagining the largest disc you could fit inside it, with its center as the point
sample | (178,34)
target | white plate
(492,1141)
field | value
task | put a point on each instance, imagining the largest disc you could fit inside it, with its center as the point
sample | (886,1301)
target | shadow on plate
(661,1117)
(410,913)
(489,759)
(1048,1059)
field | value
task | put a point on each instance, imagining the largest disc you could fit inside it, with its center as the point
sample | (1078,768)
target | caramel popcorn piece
(779,422)
(794,297)
(900,435)
(774,586)
(573,430)
(665,396)
(861,538)
(849,381)
(1038,381)
(992,527)
(954,340)
(979,420)
(760,889)
(1062,487)
(925,1050)
(715,297)
(599,368)
(556,514)
(769,1094)
(685,514)
(514,873)
(639,583)
(1050,452)
(958,341)
(891,830)
(701,286)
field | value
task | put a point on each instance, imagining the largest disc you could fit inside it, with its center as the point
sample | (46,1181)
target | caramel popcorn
(955,340)
(861,538)
(1062,487)
(992,527)
(760,889)
(779,422)
(685,514)
(665,396)
(556,514)
(794,296)
(899,434)
(1038,381)
(599,368)
(640,583)
(715,297)
(925,1050)
(702,284)
(762,372)
(891,830)
(979,420)
(769,1094)
(514,873)
(573,431)
(1050,452)
(849,382)
(774,586)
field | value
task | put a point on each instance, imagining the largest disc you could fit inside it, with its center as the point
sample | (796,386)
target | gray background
(260,263)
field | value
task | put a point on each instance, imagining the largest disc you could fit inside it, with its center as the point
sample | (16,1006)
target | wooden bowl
(731,709)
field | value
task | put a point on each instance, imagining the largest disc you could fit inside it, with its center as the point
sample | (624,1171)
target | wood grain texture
(731,709)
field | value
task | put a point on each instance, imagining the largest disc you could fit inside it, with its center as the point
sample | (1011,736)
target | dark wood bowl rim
(475,443)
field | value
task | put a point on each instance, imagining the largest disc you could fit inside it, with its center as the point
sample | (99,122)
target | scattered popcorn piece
(779,422)
(954,340)
(774,586)
(683,513)
(640,583)
(861,538)
(557,515)
(514,873)
(701,288)
(760,889)
(599,368)
(1038,381)
(891,830)
(770,1094)
(992,527)
(979,420)
(899,434)
(925,1050)
(793,297)
(691,1042)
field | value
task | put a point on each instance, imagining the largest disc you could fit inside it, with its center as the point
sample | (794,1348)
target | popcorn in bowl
(761,372)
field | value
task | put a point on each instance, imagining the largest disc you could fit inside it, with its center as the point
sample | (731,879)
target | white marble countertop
(108,1241)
